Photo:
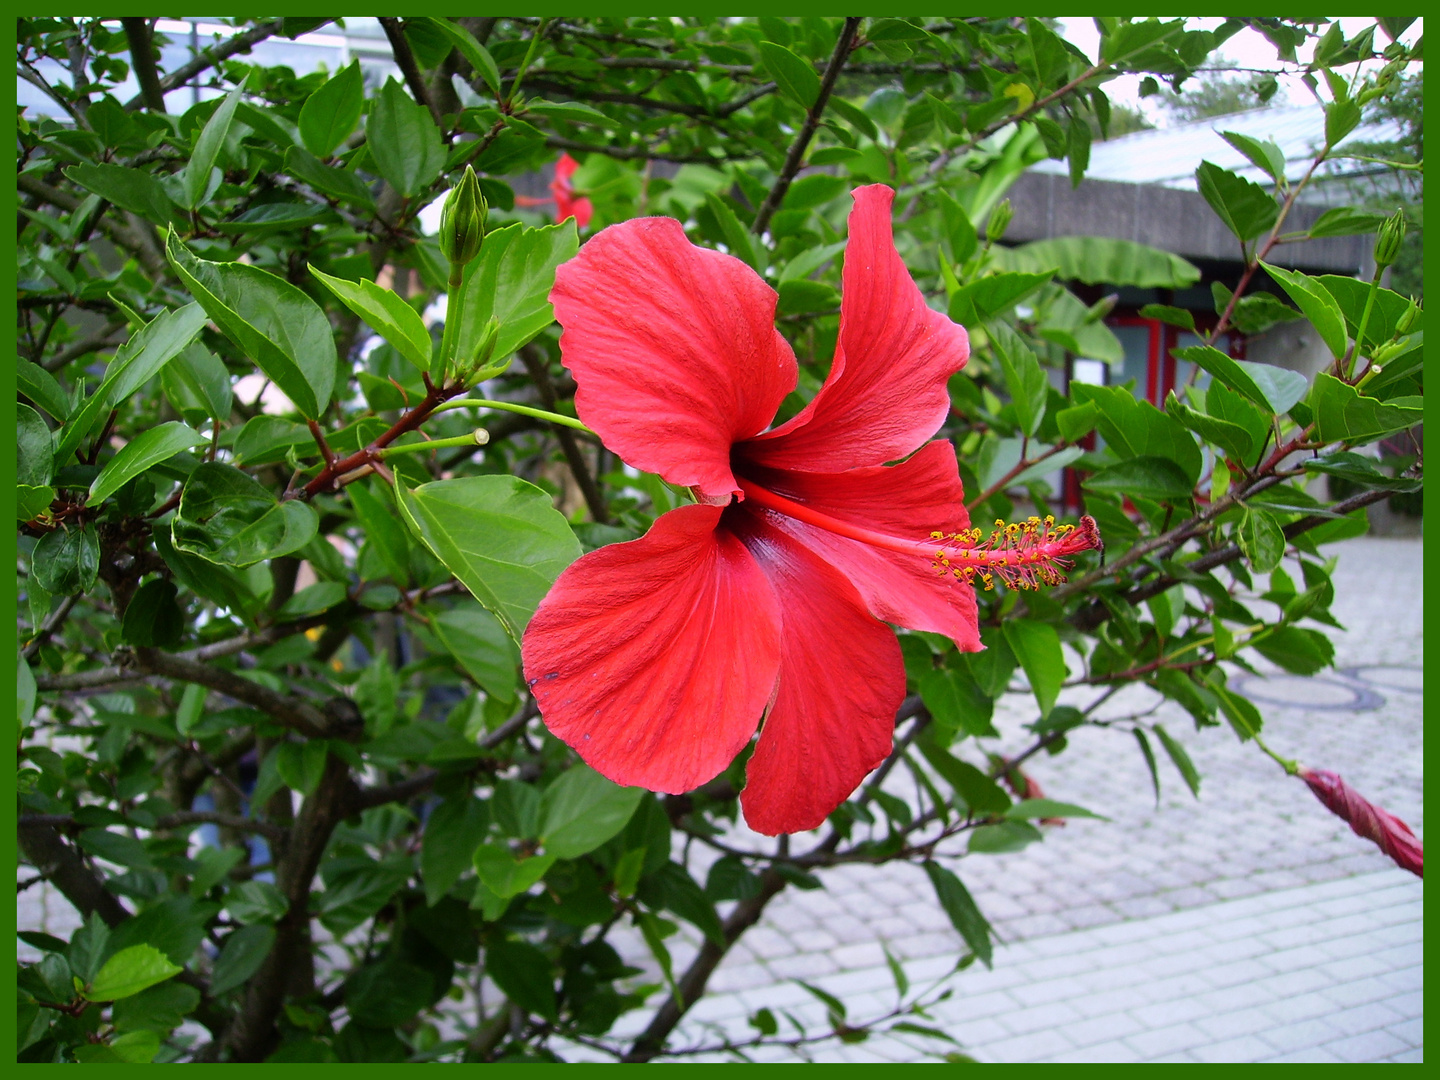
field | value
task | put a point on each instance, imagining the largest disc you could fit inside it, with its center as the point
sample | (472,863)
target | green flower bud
(1408,318)
(1389,239)
(488,337)
(462,221)
(999,221)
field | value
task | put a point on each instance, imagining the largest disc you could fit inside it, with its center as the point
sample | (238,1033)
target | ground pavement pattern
(1248,925)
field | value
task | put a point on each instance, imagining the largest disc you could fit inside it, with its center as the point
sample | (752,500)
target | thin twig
(796,155)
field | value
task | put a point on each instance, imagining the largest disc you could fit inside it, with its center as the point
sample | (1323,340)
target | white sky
(1248,48)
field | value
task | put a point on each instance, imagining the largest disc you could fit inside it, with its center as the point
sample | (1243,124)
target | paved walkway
(1246,925)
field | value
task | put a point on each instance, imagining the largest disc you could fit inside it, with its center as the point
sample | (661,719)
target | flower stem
(476,438)
(1290,767)
(1364,320)
(454,311)
(511,406)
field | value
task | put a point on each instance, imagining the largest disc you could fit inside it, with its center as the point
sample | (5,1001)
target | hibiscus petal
(841,680)
(886,393)
(655,659)
(909,500)
(674,350)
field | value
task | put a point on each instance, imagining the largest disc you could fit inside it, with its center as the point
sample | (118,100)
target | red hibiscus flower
(566,204)
(656,659)
(562,194)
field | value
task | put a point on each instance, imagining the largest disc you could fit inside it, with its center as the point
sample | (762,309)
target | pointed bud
(1408,318)
(1384,829)
(462,220)
(1389,239)
(999,222)
(488,337)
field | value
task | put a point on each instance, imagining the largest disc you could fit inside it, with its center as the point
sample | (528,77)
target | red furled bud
(1026,786)
(1389,833)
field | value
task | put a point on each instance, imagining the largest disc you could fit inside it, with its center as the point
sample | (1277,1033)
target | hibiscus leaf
(453,831)
(1037,646)
(511,281)
(499,535)
(390,316)
(226,517)
(581,810)
(1245,207)
(330,114)
(964,915)
(272,321)
(1342,413)
(1319,306)
(795,77)
(403,140)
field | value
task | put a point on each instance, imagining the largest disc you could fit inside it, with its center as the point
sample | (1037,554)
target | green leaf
(196,177)
(277,217)
(1297,650)
(301,765)
(67,560)
(1261,540)
(198,385)
(978,792)
(31,501)
(1272,388)
(1386,312)
(1003,838)
(957,703)
(1343,414)
(802,296)
(1146,477)
(1149,756)
(391,317)
(673,889)
(1037,646)
(1246,208)
(35,461)
(511,282)
(271,321)
(1318,305)
(1346,221)
(979,300)
(505,875)
(522,972)
(226,517)
(240,957)
(256,902)
(137,362)
(403,140)
(148,448)
(1358,469)
(1028,386)
(477,640)
(581,810)
(313,599)
(453,831)
(132,1048)
(1341,117)
(1234,439)
(961,909)
(478,56)
(499,535)
(152,618)
(1181,759)
(339,183)
(737,237)
(130,971)
(814,190)
(1097,260)
(794,77)
(1264,155)
(383,530)
(134,190)
(1172,316)
(573,112)
(388,993)
(1077,421)
(160,1009)
(330,114)
(40,386)
(1048,808)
